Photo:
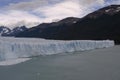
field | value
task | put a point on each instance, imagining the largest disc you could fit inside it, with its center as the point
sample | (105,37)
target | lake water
(100,64)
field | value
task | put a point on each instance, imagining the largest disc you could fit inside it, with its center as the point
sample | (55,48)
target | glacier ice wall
(27,47)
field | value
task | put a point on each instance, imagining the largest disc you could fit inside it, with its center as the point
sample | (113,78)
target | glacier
(13,61)
(13,48)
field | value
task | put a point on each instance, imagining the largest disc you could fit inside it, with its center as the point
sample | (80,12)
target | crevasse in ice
(11,48)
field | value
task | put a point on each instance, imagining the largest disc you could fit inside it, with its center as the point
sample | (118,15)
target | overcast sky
(32,12)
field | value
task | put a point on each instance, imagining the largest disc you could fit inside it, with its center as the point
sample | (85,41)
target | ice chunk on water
(13,61)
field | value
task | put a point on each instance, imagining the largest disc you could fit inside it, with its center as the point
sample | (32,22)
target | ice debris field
(14,48)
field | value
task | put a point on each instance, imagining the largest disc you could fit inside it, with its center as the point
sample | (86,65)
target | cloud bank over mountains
(34,12)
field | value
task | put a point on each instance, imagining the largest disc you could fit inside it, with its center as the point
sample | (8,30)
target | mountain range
(5,31)
(103,24)
(99,25)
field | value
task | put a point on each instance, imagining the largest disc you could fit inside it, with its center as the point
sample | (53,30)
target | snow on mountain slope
(13,48)
(16,31)
(5,31)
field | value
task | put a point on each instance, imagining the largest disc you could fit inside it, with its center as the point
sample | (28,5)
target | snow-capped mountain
(99,25)
(5,31)
(109,10)
(17,30)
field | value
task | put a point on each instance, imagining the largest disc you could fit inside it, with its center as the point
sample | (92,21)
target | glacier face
(13,48)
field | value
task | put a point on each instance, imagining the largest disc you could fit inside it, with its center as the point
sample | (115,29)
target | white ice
(13,61)
(13,48)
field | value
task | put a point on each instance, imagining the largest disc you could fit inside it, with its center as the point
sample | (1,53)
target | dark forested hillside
(99,25)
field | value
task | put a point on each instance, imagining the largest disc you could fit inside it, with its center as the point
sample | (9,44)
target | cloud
(60,10)
(29,5)
(18,18)
(68,8)
(33,4)
(34,12)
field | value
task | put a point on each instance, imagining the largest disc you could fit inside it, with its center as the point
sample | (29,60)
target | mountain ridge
(5,31)
(99,25)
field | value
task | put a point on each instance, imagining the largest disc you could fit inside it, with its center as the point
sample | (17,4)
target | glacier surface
(13,61)
(13,48)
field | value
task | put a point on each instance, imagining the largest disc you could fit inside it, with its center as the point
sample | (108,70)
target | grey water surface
(100,64)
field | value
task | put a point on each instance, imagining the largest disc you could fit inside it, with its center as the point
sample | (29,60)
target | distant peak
(108,10)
